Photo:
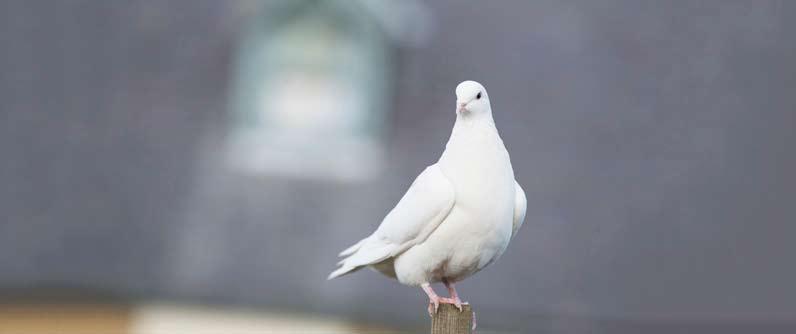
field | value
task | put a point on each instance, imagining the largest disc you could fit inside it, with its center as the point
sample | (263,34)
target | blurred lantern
(311,88)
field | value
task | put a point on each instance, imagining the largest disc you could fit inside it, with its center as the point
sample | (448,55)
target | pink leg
(433,299)
(454,299)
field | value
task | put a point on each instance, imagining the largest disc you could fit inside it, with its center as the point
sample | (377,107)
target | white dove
(457,217)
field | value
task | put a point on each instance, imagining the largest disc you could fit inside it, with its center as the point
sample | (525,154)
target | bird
(458,215)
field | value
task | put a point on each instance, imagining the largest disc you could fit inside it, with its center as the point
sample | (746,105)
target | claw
(433,307)
(456,302)
(433,299)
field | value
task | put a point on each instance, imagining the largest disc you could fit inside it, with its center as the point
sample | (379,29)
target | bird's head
(471,98)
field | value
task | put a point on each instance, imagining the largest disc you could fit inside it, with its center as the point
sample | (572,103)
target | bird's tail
(363,253)
(345,253)
(351,250)
(342,271)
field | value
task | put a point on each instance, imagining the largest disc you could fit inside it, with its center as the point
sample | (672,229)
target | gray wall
(653,140)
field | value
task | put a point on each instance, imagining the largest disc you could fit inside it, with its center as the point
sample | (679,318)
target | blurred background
(194,166)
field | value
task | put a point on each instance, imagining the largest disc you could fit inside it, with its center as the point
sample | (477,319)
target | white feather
(417,214)
(520,204)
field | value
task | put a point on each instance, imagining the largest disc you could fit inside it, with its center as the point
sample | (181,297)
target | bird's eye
(478,97)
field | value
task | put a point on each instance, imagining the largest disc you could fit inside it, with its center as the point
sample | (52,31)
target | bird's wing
(520,204)
(426,204)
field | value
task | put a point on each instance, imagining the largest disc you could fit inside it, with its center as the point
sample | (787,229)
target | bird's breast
(483,179)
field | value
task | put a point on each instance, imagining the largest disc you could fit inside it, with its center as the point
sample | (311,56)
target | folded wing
(424,206)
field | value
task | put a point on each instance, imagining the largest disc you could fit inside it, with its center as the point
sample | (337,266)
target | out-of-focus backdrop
(174,165)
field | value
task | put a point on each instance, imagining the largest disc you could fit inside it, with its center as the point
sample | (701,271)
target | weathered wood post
(449,320)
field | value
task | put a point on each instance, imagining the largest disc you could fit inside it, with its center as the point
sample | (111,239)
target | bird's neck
(475,152)
(473,132)
(469,124)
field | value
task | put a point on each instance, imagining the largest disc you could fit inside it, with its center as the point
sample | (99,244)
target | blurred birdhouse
(311,87)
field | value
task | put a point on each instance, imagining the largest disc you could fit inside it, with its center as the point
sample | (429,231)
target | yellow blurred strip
(64,319)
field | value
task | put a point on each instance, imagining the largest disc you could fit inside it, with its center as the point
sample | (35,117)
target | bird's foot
(454,296)
(455,301)
(433,299)
(433,305)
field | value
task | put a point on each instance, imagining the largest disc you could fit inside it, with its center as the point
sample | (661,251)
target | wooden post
(449,320)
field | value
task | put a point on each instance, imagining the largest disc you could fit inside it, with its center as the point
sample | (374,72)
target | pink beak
(460,106)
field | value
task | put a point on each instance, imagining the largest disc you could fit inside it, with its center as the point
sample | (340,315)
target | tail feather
(364,254)
(351,250)
(342,271)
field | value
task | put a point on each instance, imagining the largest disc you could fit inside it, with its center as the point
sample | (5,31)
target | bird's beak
(461,106)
